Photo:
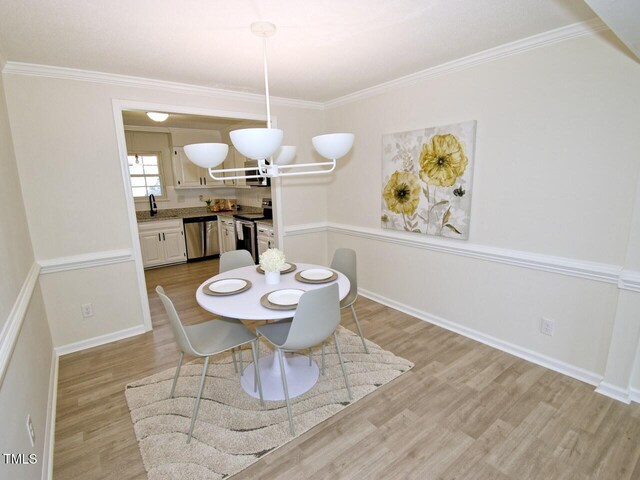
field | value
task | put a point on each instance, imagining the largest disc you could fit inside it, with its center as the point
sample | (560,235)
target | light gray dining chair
(206,339)
(230,261)
(344,260)
(235,259)
(317,317)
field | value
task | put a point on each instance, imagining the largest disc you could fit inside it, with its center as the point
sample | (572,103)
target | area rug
(232,430)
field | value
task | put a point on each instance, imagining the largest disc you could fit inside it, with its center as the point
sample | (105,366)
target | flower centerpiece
(272,262)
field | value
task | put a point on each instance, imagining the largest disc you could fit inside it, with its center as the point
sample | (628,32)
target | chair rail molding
(11,329)
(629,280)
(85,260)
(601,272)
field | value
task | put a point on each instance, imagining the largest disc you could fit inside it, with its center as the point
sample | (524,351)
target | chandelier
(264,144)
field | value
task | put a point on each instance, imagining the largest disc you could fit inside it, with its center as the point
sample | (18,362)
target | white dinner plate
(316,274)
(285,266)
(285,297)
(227,286)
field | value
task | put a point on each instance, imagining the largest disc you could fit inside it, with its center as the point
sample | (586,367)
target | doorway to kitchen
(162,187)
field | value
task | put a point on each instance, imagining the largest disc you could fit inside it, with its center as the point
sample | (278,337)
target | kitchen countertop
(266,221)
(178,213)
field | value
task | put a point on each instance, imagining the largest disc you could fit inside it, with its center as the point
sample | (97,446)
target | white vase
(272,278)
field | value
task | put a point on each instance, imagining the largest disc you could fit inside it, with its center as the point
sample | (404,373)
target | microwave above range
(256,182)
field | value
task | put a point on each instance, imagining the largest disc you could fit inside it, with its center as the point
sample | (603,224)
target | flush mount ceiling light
(157,116)
(264,144)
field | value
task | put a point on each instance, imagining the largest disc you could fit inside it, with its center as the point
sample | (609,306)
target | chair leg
(257,361)
(241,360)
(256,369)
(235,363)
(322,358)
(197,405)
(175,378)
(344,371)
(355,317)
(286,391)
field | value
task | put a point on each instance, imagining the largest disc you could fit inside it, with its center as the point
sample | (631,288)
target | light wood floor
(465,411)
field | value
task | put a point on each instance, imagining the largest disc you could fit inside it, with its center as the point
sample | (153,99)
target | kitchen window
(146,174)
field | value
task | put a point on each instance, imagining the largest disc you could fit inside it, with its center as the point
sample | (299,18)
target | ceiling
(323,49)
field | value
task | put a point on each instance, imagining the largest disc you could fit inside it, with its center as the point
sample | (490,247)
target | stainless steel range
(246,238)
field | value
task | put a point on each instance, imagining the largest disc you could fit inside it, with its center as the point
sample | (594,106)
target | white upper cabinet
(188,174)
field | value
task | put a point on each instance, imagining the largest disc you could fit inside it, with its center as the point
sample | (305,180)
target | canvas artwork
(427,180)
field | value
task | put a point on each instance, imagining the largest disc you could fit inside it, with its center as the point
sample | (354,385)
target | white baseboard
(50,432)
(611,391)
(100,340)
(634,395)
(578,373)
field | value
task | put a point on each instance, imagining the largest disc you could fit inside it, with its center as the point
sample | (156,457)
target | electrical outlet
(87,310)
(31,431)
(547,326)
(201,198)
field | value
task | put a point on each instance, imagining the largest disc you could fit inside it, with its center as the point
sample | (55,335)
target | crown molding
(35,70)
(530,43)
(536,41)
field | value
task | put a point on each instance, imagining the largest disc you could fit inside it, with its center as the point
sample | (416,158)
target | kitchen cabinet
(234,160)
(189,175)
(162,242)
(227,229)
(266,238)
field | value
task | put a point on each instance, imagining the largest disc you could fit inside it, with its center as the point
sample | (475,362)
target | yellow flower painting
(442,160)
(427,180)
(402,193)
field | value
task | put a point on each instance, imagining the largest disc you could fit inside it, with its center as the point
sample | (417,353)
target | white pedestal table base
(301,377)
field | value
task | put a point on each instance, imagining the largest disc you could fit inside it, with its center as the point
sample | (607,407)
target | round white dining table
(246,305)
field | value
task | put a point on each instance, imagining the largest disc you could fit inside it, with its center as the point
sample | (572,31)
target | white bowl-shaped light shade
(333,145)
(284,155)
(256,143)
(207,155)
(157,116)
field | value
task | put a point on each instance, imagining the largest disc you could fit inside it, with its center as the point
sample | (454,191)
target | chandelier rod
(266,79)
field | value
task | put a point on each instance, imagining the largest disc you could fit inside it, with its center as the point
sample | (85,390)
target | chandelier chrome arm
(214,171)
(273,171)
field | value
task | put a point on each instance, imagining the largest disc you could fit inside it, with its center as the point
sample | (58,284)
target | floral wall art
(426,180)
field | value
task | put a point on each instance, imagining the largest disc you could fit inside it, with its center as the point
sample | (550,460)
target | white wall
(23,390)
(74,191)
(16,255)
(556,170)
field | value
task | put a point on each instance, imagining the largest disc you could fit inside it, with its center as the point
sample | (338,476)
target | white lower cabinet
(162,242)
(227,229)
(266,238)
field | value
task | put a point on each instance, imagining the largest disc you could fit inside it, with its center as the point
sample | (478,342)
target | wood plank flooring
(465,411)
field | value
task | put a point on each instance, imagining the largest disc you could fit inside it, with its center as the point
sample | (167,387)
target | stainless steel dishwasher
(201,236)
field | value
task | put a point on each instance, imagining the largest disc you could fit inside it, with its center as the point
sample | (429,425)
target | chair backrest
(176,325)
(344,260)
(317,317)
(235,259)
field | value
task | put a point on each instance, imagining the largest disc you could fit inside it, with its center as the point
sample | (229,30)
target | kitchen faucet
(153,208)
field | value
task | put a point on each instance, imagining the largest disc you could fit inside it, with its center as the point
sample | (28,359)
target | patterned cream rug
(232,430)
